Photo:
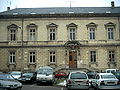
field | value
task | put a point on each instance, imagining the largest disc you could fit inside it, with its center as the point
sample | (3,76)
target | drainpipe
(22,59)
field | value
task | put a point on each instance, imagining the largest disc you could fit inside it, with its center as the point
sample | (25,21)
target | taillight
(69,81)
(102,83)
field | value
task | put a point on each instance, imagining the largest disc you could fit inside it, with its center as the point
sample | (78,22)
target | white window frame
(32,34)
(72,33)
(111,56)
(92,33)
(93,57)
(52,57)
(52,33)
(110,33)
(32,55)
(12,57)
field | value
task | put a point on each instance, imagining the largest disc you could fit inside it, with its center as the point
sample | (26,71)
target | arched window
(72,30)
(12,32)
(92,28)
(32,32)
(110,27)
(52,31)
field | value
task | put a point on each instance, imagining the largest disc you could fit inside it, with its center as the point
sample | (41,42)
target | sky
(54,3)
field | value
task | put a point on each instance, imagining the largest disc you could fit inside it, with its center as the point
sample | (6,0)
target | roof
(62,10)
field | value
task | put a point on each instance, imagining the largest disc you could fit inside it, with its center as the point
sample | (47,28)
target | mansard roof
(115,11)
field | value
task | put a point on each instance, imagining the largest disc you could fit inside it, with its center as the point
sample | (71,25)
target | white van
(111,70)
(45,75)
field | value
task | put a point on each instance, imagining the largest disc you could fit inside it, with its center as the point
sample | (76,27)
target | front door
(73,59)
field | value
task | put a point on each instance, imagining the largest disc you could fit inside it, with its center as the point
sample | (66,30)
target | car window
(78,76)
(45,71)
(107,76)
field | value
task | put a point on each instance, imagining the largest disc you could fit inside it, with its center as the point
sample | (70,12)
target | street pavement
(44,87)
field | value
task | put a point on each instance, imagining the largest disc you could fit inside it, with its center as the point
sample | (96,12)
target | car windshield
(45,71)
(107,76)
(6,77)
(78,76)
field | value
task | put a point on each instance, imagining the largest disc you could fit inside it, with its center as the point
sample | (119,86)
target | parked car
(45,75)
(8,82)
(77,80)
(16,74)
(111,70)
(60,75)
(106,81)
(117,74)
(28,77)
(91,74)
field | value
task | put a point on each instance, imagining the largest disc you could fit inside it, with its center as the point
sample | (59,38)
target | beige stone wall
(42,53)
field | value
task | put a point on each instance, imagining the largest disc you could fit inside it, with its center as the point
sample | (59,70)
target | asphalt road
(44,87)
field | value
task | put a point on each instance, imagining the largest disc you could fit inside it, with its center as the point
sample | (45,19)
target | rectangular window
(52,34)
(12,57)
(72,34)
(92,33)
(52,57)
(111,56)
(93,56)
(32,35)
(12,35)
(32,58)
(110,34)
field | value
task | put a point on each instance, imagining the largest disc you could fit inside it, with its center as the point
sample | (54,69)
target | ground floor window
(111,56)
(92,56)
(52,57)
(12,57)
(32,58)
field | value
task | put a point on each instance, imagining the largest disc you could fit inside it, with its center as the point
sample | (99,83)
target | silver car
(8,82)
(106,81)
(45,75)
(77,80)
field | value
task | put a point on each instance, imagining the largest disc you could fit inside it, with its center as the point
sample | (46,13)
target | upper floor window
(32,32)
(92,56)
(72,31)
(111,56)
(52,58)
(12,32)
(110,27)
(92,33)
(92,28)
(32,57)
(52,31)
(110,34)
(12,57)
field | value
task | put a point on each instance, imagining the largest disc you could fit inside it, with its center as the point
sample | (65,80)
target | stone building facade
(76,37)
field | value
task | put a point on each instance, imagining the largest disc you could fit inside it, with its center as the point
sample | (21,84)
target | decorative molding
(110,24)
(92,24)
(52,25)
(12,26)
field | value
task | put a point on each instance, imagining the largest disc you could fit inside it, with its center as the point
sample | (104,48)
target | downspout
(22,59)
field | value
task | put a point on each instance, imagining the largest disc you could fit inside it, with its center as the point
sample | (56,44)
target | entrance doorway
(73,59)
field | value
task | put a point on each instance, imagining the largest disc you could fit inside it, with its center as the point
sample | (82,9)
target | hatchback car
(105,81)
(77,80)
(45,75)
(8,82)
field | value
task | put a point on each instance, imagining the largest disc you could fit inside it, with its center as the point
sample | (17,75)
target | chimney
(112,4)
(8,8)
